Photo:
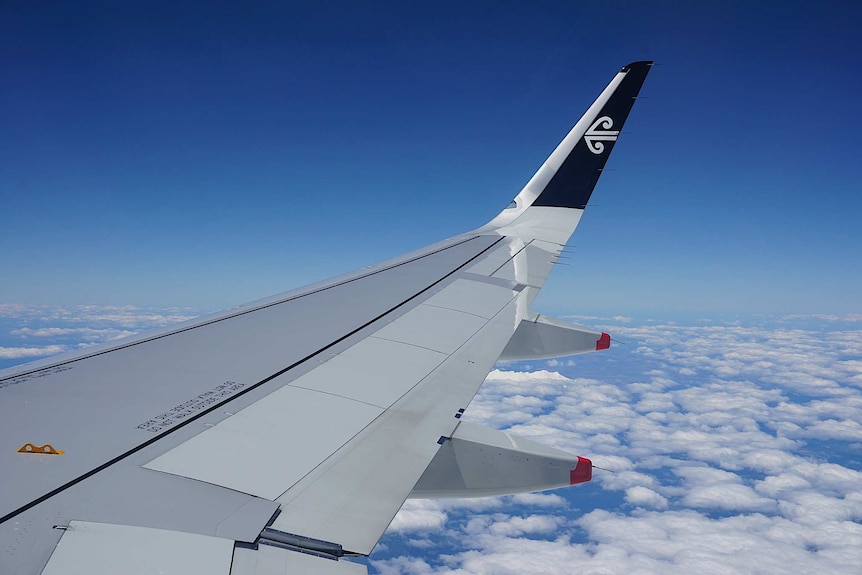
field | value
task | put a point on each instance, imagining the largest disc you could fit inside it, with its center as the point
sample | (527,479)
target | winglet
(570,173)
(581,156)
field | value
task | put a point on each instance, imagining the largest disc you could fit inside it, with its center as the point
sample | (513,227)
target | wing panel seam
(511,258)
(248,311)
(215,406)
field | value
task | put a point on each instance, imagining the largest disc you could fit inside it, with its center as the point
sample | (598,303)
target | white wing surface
(283,436)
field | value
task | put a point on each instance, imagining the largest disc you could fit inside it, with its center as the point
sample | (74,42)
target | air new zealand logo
(600,132)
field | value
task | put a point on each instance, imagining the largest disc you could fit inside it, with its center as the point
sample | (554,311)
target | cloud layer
(730,447)
(734,448)
(33,331)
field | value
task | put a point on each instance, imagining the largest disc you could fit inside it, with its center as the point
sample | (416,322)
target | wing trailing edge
(589,144)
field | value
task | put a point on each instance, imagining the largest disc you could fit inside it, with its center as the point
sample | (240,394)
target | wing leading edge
(292,435)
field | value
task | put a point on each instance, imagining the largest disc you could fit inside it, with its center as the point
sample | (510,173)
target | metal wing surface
(283,436)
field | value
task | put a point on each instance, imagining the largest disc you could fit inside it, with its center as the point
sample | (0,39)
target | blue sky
(206,154)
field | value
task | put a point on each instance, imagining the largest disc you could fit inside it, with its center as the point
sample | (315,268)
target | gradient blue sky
(206,154)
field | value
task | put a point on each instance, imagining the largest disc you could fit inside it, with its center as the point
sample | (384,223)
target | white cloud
(540,500)
(402,566)
(598,318)
(833,429)
(560,362)
(531,525)
(714,446)
(24,352)
(84,333)
(645,497)
(94,317)
(852,317)
(418,514)
(727,497)
(62,328)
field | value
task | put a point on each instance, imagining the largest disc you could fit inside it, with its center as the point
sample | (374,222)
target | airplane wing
(283,436)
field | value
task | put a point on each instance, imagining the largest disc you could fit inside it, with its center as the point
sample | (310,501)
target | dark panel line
(149,442)
(239,313)
(511,259)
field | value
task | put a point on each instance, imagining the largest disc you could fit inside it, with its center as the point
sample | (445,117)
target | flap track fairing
(478,461)
(543,337)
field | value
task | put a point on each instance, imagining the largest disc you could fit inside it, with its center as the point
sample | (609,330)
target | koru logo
(600,132)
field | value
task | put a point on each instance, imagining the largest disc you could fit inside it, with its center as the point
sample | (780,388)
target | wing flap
(346,441)
(473,297)
(102,407)
(270,445)
(353,496)
(356,373)
(87,548)
(429,327)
